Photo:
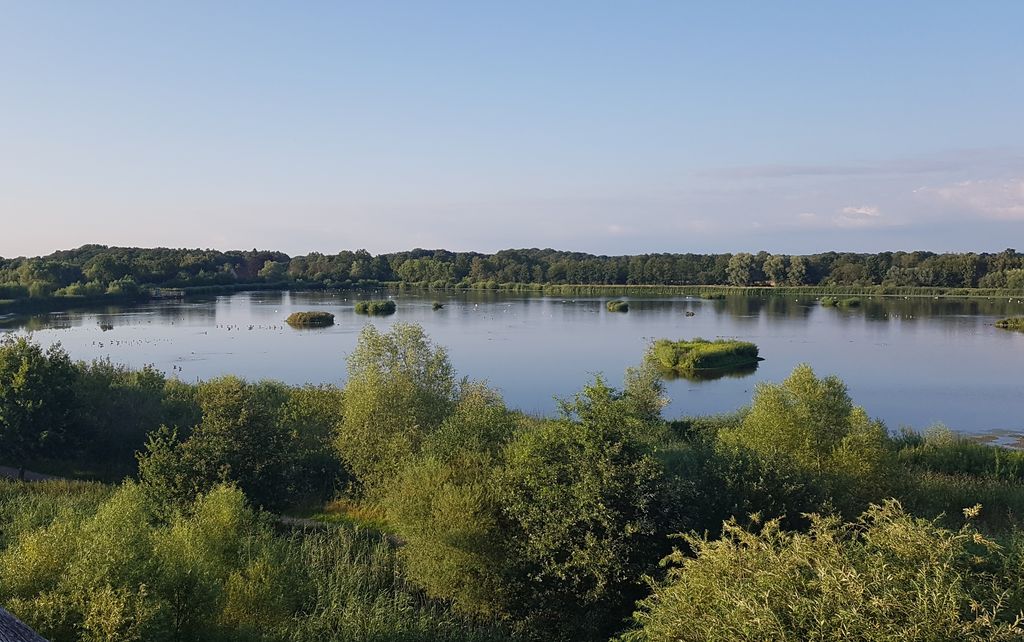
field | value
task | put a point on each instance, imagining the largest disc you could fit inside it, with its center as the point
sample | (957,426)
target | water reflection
(700,376)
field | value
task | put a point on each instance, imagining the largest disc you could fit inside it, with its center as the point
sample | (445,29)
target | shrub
(888,576)
(617,306)
(310,319)
(811,424)
(376,307)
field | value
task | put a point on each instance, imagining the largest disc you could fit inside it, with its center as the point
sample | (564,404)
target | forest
(412,504)
(100,271)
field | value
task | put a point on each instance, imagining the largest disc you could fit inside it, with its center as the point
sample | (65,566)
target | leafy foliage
(887,576)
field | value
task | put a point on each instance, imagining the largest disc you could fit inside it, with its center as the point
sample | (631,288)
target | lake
(910,362)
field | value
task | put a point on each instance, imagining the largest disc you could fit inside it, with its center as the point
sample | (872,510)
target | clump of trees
(376,307)
(97,270)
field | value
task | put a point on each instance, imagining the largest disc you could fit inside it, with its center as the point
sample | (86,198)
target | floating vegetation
(310,319)
(376,307)
(1013,323)
(835,302)
(438,305)
(702,357)
(617,306)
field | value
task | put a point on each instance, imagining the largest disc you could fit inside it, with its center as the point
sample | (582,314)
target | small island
(835,302)
(376,307)
(1013,323)
(617,306)
(702,356)
(310,319)
(438,305)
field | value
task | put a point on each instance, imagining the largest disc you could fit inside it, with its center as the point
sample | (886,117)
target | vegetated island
(310,319)
(1013,323)
(437,306)
(617,306)
(836,302)
(698,356)
(375,307)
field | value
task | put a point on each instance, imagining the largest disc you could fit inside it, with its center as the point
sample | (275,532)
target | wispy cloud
(858,216)
(998,199)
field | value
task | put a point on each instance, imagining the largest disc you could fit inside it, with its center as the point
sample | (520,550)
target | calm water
(908,362)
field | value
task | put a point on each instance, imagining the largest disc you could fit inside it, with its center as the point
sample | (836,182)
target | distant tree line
(97,270)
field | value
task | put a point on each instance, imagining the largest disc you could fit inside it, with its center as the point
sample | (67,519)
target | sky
(599,126)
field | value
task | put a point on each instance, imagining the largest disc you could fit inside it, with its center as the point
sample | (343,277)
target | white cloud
(858,216)
(998,199)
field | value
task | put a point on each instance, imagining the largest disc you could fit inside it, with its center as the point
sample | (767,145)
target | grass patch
(617,306)
(836,302)
(310,319)
(375,307)
(1013,323)
(697,355)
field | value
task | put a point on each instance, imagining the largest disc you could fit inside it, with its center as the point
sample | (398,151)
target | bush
(811,425)
(617,306)
(699,354)
(376,307)
(887,576)
(310,319)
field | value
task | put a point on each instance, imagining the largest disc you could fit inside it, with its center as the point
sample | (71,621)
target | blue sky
(611,127)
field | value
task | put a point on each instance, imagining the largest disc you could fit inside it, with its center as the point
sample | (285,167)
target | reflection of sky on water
(907,361)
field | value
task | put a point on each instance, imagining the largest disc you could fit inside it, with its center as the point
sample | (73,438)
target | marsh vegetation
(310,319)
(617,306)
(698,355)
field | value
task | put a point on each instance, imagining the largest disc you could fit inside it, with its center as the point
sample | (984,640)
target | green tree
(740,270)
(811,425)
(36,398)
(797,271)
(775,268)
(400,388)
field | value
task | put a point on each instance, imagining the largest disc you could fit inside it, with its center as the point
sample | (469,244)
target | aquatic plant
(1013,323)
(437,305)
(836,302)
(617,306)
(310,319)
(685,357)
(375,307)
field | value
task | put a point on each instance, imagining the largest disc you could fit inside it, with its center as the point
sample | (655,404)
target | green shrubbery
(495,523)
(213,571)
(701,354)
(376,307)
(617,306)
(310,319)
(888,576)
